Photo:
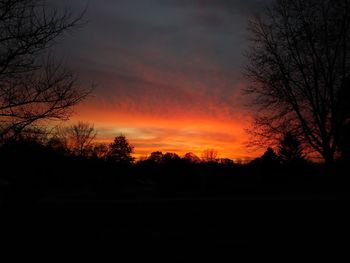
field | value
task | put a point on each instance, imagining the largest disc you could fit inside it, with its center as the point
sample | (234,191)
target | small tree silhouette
(80,138)
(156,157)
(59,145)
(210,155)
(100,151)
(290,149)
(269,157)
(191,158)
(170,158)
(120,151)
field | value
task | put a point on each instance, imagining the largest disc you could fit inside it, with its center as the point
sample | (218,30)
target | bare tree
(80,138)
(33,88)
(210,155)
(298,65)
(100,150)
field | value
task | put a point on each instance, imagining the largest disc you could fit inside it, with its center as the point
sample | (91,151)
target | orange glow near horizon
(177,133)
(168,76)
(184,107)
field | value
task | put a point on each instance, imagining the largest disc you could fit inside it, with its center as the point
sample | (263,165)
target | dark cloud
(233,6)
(169,51)
(168,72)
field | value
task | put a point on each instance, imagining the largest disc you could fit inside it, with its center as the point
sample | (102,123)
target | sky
(167,73)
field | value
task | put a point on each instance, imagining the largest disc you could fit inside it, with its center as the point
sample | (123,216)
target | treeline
(80,141)
(67,163)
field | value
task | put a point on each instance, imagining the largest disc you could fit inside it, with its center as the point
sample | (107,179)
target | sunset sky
(168,73)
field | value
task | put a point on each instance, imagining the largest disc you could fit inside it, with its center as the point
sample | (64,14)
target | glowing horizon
(177,134)
(168,73)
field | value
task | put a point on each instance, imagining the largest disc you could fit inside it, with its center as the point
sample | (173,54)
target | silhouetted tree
(210,155)
(32,89)
(269,157)
(345,142)
(290,150)
(226,161)
(192,158)
(344,112)
(170,158)
(100,151)
(80,138)
(58,145)
(299,62)
(156,157)
(34,134)
(120,151)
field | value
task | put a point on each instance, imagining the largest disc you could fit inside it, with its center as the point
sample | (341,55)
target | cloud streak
(161,65)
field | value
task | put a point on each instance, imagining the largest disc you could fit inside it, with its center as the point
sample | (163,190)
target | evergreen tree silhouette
(269,157)
(120,151)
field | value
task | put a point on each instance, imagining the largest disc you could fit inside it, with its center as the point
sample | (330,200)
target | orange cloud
(178,133)
(183,107)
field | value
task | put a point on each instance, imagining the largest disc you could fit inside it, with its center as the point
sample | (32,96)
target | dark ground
(177,227)
(146,211)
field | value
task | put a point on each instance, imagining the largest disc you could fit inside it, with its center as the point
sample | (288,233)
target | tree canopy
(120,151)
(299,61)
(33,86)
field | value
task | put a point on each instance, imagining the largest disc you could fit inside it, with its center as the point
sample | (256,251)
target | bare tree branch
(32,90)
(298,65)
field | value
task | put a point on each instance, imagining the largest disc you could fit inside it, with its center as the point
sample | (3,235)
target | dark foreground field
(176,227)
(203,209)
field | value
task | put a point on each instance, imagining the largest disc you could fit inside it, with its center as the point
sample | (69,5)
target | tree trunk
(328,156)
